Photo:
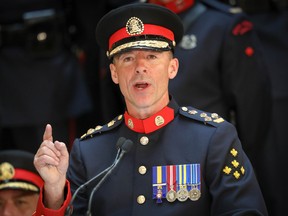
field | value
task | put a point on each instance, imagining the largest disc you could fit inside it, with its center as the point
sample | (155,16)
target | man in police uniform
(183,161)
(19,183)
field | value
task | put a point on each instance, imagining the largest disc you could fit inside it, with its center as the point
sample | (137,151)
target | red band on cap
(149,29)
(28,176)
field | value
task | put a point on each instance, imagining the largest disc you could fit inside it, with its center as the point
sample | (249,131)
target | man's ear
(173,68)
(114,74)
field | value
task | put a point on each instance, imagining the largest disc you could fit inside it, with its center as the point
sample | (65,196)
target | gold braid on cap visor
(153,44)
(19,185)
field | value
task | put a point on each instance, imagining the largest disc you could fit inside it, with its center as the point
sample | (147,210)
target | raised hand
(51,161)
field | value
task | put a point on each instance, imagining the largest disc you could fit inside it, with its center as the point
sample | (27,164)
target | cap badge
(6,171)
(134,26)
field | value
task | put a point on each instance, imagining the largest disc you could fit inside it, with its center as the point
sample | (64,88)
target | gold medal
(182,194)
(171,196)
(194,194)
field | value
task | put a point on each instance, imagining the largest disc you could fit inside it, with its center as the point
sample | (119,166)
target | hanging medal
(194,182)
(171,183)
(182,192)
(159,183)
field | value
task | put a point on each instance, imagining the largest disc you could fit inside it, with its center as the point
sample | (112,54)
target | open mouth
(141,85)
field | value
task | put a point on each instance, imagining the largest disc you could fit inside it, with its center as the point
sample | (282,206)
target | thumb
(48,133)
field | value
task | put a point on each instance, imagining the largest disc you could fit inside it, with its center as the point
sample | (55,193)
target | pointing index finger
(48,133)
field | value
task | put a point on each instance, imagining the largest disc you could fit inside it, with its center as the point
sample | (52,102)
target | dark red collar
(176,6)
(150,124)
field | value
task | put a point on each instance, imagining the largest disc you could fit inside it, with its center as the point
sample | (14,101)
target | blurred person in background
(41,79)
(270,20)
(19,183)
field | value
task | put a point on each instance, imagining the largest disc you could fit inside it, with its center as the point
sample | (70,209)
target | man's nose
(140,65)
(8,209)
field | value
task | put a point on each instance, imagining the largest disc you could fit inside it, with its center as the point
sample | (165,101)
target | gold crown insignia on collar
(7,171)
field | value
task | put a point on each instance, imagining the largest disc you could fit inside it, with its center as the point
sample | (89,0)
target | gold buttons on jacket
(141,199)
(142,170)
(144,140)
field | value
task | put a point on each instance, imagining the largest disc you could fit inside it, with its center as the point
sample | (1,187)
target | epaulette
(102,128)
(222,7)
(207,118)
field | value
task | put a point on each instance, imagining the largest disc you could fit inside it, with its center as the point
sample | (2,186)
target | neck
(143,112)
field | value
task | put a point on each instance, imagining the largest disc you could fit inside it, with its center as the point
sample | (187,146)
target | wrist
(54,195)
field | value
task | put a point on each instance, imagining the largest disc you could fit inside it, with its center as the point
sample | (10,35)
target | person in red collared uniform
(19,183)
(180,160)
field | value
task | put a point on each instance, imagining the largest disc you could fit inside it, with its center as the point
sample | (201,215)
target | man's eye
(151,56)
(127,59)
(20,202)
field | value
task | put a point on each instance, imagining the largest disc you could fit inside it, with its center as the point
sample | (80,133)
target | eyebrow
(25,193)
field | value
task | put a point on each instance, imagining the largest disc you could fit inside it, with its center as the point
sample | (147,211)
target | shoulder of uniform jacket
(102,128)
(205,117)
(222,7)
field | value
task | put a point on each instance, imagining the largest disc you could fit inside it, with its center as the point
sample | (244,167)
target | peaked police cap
(139,26)
(17,171)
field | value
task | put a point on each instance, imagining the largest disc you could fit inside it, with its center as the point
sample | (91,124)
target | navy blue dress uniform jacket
(190,138)
(222,70)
